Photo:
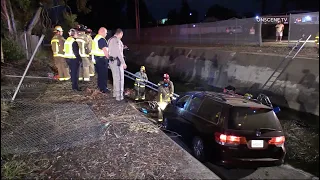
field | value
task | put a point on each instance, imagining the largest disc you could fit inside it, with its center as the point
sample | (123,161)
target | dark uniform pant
(74,68)
(102,71)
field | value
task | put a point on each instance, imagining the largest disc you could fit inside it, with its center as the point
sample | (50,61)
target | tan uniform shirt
(115,46)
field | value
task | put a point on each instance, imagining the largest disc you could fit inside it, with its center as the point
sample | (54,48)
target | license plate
(257,143)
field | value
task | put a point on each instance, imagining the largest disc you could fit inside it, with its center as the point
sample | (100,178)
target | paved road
(277,172)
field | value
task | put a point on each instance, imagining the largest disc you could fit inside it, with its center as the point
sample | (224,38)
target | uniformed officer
(165,93)
(92,62)
(139,85)
(117,64)
(101,56)
(82,41)
(73,58)
(57,45)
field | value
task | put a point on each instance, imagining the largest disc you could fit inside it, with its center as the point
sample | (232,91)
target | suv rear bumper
(229,157)
(249,163)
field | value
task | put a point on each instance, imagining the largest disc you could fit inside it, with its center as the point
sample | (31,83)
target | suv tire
(165,123)
(198,148)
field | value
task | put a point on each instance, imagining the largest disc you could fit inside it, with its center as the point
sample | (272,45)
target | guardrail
(149,84)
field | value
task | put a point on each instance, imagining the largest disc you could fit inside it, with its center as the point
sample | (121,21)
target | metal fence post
(260,33)
(26,44)
(200,27)
(236,34)
(289,30)
(26,70)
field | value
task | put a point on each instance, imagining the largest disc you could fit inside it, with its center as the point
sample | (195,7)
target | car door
(209,114)
(175,110)
(189,117)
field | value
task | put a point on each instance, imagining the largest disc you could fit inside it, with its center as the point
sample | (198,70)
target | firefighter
(73,58)
(92,62)
(139,85)
(317,42)
(83,43)
(165,93)
(57,45)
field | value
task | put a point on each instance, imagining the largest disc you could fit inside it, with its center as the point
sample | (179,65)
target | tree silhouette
(186,14)
(173,17)
(220,12)
(146,18)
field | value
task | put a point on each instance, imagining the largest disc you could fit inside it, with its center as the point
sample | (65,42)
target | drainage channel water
(302,133)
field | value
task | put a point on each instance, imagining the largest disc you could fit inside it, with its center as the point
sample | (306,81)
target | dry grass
(5,110)
(302,144)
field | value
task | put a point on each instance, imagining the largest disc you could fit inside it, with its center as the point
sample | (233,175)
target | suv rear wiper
(266,129)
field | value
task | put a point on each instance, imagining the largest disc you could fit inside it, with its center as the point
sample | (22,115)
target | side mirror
(181,104)
(173,101)
(276,110)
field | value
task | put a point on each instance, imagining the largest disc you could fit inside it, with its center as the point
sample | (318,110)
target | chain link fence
(306,23)
(41,127)
(33,124)
(233,31)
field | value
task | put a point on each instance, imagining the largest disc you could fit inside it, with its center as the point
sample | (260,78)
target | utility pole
(136,2)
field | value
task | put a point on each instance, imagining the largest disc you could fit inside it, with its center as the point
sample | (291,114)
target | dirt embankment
(129,147)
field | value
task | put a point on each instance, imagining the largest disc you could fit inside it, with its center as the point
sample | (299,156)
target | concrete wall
(297,87)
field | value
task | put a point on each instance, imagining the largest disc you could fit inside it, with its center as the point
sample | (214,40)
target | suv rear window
(244,118)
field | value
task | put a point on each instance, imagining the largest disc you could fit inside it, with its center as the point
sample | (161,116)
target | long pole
(25,71)
(289,29)
(136,2)
(26,44)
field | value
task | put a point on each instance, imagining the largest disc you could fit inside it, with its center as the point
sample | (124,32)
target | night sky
(160,8)
(114,12)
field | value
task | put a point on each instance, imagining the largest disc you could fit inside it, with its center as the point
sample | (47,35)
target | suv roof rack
(217,96)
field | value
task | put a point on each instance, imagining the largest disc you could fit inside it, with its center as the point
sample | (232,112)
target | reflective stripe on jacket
(82,50)
(68,51)
(163,94)
(57,46)
(140,82)
(95,50)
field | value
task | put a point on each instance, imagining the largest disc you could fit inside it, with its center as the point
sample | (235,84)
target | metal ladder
(149,84)
(283,64)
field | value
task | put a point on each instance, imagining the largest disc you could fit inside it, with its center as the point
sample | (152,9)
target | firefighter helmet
(81,27)
(58,28)
(143,68)
(88,31)
(72,32)
(166,76)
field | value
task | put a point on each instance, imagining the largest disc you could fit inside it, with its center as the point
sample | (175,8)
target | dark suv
(229,129)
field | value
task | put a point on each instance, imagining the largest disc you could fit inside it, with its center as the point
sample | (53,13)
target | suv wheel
(198,148)
(165,123)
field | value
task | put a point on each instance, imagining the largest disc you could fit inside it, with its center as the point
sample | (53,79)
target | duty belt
(112,58)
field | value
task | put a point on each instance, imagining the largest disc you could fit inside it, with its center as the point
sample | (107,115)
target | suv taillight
(278,141)
(229,139)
